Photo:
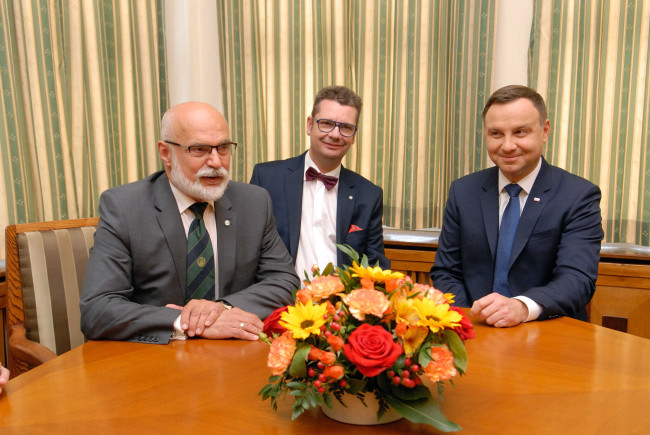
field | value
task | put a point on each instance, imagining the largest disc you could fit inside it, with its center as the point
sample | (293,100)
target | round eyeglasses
(224,149)
(327,125)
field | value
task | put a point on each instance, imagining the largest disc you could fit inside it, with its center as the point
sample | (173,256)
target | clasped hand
(499,311)
(208,319)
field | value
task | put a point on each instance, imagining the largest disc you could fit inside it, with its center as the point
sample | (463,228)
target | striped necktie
(509,223)
(200,258)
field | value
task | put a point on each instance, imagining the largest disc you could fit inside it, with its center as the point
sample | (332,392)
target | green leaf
(457,346)
(407,394)
(422,411)
(298,368)
(349,251)
(355,385)
(424,355)
(328,270)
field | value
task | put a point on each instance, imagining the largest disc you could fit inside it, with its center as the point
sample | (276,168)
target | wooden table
(559,376)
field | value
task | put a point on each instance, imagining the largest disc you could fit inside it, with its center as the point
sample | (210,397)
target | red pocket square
(354,228)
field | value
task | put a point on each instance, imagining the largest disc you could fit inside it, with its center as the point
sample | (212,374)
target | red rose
(371,349)
(466,330)
(271,324)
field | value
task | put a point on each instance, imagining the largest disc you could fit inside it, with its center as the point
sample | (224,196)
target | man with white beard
(186,252)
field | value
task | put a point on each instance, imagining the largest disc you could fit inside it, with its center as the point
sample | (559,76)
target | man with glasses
(316,201)
(186,252)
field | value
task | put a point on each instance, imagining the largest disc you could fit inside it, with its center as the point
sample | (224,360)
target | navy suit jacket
(556,248)
(359,203)
(137,264)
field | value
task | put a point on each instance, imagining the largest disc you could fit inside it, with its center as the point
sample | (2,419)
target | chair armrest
(25,351)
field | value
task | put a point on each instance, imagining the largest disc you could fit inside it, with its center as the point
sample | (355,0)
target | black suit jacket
(556,248)
(137,264)
(359,202)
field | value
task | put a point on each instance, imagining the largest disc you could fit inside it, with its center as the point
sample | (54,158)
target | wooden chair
(46,263)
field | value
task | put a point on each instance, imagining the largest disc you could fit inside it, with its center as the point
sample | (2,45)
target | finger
(178,307)
(245,331)
(212,317)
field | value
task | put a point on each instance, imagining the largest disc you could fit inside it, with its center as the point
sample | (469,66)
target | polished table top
(558,376)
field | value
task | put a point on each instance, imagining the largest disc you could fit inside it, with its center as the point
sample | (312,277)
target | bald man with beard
(135,284)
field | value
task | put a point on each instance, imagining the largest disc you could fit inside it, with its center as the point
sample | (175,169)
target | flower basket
(366,332)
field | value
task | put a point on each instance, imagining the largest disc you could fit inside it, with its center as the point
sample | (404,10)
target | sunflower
(374,273)
(435,316)
(304,320)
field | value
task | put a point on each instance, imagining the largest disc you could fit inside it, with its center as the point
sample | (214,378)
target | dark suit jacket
(137,264)
(556,248)
(359,203)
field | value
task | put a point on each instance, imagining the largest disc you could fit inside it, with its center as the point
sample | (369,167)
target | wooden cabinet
(621,301)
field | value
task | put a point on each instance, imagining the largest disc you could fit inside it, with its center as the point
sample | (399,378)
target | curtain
(82,92)
(591,62)
(423,69)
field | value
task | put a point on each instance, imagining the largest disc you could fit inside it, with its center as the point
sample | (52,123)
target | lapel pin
(227,222)
(536,199)
(350,197)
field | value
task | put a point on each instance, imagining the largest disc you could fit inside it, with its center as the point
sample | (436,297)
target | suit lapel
(226,220)
(172,227)
(490,208)
(293,179)
(532,210)
(345,201)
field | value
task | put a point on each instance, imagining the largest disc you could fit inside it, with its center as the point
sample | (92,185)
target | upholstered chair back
(46,263)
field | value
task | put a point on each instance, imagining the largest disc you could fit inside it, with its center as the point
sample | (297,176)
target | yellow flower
(281,354)
(365,301)
(436,316)
(404,310)
(304,320)
(322,287)
(374,273)
(442,365)
(414,338)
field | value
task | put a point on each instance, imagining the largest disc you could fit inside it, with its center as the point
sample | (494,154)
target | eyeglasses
(327,125)
(224,149)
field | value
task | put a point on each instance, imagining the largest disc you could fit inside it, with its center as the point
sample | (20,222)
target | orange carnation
(281,353)
(322,287)
(363,301)
(442,365)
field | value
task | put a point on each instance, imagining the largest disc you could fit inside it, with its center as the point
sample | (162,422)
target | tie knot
(328,180)
(513,189)
(198,208)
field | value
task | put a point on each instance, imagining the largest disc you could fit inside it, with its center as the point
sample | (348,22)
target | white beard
(195,189)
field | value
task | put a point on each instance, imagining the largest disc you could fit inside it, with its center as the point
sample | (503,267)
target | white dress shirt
(526,183)
(317,244)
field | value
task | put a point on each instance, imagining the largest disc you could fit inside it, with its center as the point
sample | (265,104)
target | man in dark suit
(550,265)
(316,201)
(142,272)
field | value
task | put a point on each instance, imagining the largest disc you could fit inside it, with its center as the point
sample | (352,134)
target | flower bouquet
(359,331)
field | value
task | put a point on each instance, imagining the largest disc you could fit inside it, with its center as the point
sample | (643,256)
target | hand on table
(4,377)
(235,323)
(198,314)
(499,311)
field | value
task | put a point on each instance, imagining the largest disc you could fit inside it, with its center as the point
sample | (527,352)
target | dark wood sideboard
(622,298)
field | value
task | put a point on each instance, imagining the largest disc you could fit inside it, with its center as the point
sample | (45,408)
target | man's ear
(165,154)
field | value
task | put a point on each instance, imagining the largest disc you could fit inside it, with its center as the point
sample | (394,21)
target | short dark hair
(510,93)
(340,94)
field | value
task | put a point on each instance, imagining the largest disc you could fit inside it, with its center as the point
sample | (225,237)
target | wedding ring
(241,325)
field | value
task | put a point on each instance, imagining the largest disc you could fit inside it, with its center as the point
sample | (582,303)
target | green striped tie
(200,258)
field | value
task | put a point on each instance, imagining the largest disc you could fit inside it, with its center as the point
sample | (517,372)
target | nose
(509,143)
(335,133)
(214,160)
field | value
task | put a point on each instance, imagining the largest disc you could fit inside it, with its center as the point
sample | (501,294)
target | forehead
(514,114)
(202,127)
(330,109)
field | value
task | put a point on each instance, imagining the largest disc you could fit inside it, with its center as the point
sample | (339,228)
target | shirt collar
(309,162)
(526,183)
(184,201)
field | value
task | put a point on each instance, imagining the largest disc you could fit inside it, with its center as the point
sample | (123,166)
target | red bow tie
(328,180)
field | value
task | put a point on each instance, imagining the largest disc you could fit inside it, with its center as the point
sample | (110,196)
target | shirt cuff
(178,334)
(534,309)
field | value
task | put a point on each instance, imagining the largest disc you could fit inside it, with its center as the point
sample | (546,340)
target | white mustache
(212,172)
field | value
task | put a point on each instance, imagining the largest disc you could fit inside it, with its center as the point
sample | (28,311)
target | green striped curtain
(591,62)
(423,69)
(82,87)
